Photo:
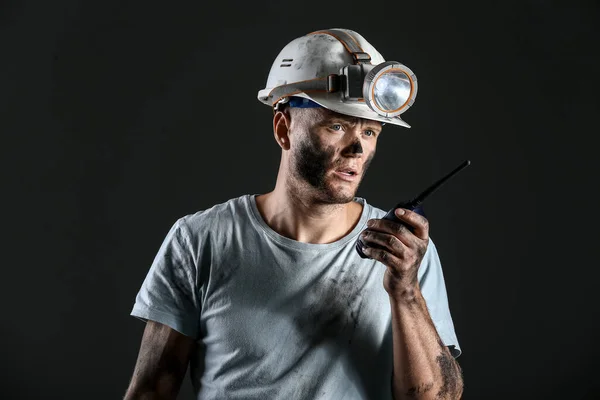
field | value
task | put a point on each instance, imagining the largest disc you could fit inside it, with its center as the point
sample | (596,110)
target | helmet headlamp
(388,88)
(380,91)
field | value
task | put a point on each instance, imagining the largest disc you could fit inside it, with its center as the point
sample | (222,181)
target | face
(331,152)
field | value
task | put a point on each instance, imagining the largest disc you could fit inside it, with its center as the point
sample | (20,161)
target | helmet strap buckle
(333,83)
(361,57)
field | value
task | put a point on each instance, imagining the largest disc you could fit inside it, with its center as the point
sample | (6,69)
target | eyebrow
(351,120)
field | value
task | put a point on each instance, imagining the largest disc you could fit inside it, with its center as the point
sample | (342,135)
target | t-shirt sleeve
(433,288)
(169,293)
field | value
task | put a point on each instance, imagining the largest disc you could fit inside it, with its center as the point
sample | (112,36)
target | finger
(416,220)
(395,228)
(381,255)
(386,240)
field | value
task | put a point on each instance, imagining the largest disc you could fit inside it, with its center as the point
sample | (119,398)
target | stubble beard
(310,165)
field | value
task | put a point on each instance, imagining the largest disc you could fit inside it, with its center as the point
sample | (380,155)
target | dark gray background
(117,118)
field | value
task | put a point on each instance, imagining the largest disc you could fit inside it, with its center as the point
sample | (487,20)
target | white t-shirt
(275,318)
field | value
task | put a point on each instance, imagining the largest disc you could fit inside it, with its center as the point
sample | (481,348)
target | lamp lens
(392,90)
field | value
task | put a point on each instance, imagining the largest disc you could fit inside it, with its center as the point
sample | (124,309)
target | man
(267,296)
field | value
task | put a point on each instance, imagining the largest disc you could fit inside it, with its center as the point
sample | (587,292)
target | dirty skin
(450,372)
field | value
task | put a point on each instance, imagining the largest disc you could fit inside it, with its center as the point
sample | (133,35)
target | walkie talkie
(413,205)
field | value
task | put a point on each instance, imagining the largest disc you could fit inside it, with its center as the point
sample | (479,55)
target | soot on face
(313,161)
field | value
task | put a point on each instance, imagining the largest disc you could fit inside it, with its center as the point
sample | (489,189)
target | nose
(354,149)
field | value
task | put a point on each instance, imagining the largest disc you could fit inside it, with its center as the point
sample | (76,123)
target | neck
(304,218)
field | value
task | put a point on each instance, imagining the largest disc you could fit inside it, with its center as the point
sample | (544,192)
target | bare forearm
(423,365)
(157,376)
(153,387)
(161,364)
(141,393)
(146,396)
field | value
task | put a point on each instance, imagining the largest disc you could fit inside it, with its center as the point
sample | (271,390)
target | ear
(281,127)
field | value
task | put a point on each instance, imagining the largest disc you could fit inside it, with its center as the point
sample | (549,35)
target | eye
(369,132)
(337,127)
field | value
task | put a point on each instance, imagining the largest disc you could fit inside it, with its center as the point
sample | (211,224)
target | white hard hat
(339,70)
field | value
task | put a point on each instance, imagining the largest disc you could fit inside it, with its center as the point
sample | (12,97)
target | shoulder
(222,216)
(371,210)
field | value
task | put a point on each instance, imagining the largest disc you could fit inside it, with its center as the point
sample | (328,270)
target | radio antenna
(419,199)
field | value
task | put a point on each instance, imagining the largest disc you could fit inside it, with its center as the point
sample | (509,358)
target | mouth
(347,173)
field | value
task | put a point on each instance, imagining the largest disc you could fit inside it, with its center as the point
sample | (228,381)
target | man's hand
(402,251)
